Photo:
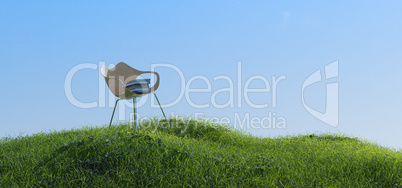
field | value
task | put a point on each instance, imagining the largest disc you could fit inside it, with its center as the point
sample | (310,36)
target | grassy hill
(193,154)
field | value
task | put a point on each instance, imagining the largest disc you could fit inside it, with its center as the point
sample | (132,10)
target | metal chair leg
(135,115)
(111,119)
(160,106)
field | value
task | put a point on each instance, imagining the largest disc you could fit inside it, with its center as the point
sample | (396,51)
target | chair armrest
(156,85)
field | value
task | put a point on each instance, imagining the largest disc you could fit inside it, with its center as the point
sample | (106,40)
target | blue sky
(42,41)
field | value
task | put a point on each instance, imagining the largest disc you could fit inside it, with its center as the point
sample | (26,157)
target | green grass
(193,154)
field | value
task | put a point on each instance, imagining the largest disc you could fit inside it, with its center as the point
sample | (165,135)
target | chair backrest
(117,78)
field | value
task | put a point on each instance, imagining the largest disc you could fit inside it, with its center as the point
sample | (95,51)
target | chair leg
(111,119)
(160,106)
(135,115)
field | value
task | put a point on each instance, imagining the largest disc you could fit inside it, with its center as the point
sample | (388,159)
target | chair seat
(138,82)
(140,90)
(139,86)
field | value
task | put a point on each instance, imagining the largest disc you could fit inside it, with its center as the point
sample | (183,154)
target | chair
(123,83)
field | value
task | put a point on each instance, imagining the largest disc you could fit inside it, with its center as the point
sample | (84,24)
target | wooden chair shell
(117,78)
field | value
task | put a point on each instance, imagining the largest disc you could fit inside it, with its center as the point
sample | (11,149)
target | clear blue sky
(42,41)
